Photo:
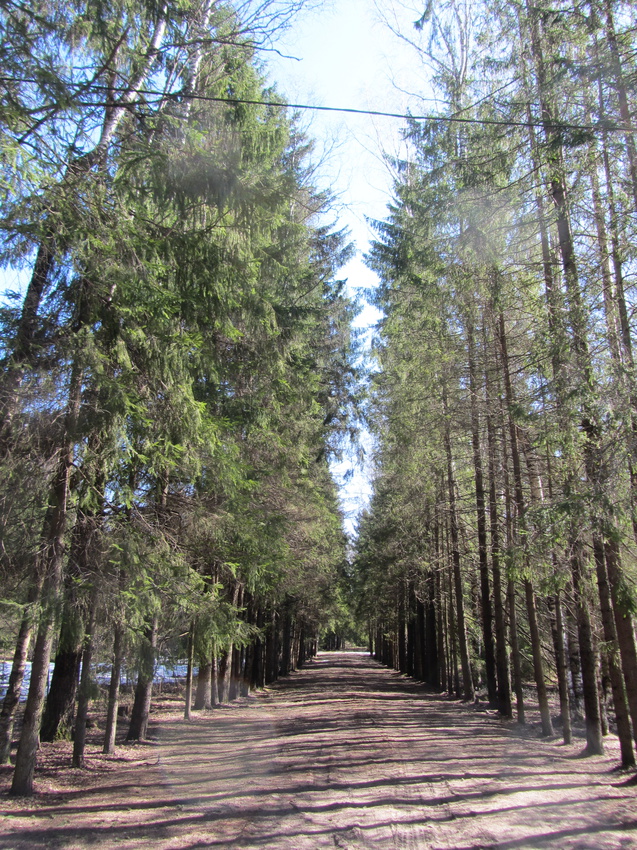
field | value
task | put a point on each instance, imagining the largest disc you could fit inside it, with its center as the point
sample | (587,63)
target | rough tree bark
(143,692)
(467,680)
(481,515)
(620,703)
(50,567)
(84,694)
(502,667)
(16,677)
(190,652)
(110,730)
(536,647)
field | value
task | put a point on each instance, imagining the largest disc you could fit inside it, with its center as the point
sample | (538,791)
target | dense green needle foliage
(181,369)
(500,543)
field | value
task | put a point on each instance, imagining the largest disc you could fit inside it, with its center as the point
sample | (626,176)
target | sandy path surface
(343,754)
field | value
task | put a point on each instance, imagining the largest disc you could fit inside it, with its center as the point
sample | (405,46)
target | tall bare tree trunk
(557,631)
(190,660)
(79,738)
(502,666)
(467,680)
(521,540)
(110,730)
(583,376)
(481,515)
(50,567)
(454,672)
(620,703)
(624,624)
(515,653)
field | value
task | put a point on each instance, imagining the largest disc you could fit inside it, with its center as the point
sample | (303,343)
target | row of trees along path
(344,753)
(179,370)
(499,545)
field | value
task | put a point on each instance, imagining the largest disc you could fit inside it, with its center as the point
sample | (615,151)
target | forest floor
(342,754)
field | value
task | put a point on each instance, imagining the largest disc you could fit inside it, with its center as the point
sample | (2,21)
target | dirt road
(344,754)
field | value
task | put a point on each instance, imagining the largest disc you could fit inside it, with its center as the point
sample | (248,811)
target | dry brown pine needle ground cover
(343,754)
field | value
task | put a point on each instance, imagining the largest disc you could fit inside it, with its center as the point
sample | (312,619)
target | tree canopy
(180,370)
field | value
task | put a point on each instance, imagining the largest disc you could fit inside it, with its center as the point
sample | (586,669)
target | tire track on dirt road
(357,756)
(343,754)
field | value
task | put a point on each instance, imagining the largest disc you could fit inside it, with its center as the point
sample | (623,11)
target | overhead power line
(605,126)
(600,126)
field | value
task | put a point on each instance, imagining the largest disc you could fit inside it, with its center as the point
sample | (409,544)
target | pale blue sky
(346,57)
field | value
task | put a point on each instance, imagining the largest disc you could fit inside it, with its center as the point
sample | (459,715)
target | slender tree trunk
(270,649)
(576,683)
(60,704)
(612,331)
(302,646)
(481,515)
(557,631)
(79,739)
(603,686)
(239,674)
(620,703)
(545,714)
(215,674)
(51,569)
(189,669)
(296,647)
(624,624)
(618,264)
(16,677)
(286,655)
(113,689)
(588,659)
(583,377)
(516,666)
(538,671)
(260,674)
(23,776)
(143,693)
(515,653)
(429,645)
(502,667)
(441,631)
(454,672)
(467,681)
(236,672)
(625,362)
(421,672)
(401,632)
(246,682)
(412,639)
